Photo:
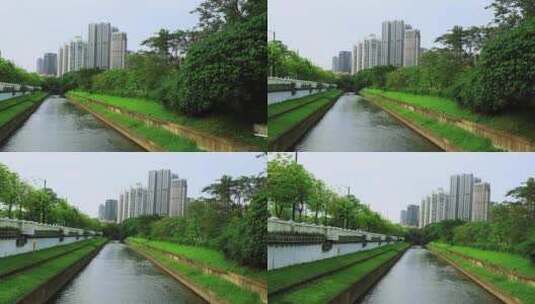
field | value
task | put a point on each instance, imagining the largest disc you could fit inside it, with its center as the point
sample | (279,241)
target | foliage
(510,13)
(23,201)
(503,76)
(375,77)
(10,73)
(284,63)
(226,71)
(293,189)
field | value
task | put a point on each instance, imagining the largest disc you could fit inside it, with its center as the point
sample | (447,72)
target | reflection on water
(419,277)
(353,124)
(59,126)
(119,275)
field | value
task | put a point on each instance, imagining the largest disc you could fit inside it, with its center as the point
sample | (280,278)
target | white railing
(332,233)
(16,87)
(29,227)
(298,83)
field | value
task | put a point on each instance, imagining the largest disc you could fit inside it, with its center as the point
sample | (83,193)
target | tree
(226,71)
(222,190)
(213,15)
(526,195)
(510,13)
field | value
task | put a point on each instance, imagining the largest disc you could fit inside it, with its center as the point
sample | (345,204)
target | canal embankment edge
(440,142)
(488,287)
(250,284)
(204,141)
(49,289)
(499,139)
(204,293)
(16,122)
(291,137)
(362,286)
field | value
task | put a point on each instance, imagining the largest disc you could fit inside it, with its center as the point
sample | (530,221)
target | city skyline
(110,174)
(139,21)
(344,23)
(416,174)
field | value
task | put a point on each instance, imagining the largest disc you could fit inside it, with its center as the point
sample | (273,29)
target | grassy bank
(14,287)
(302,108)
(500,282)
(286,277)
(517,121)
(10,108)
(456,136)
(326,288)
(205,256)
(163,138)
(223,289)
(215,124)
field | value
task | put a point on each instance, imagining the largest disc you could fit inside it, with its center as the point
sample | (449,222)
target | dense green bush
(226,71)
(505,74)
(10,73)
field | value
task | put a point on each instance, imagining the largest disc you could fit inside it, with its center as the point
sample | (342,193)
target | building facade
(393,37)
(371,56)
(481,202)
(179,196)
(50,64)
(344,62)
(118,50)
(99,46)
(110,210)
(413,212)
(411,53)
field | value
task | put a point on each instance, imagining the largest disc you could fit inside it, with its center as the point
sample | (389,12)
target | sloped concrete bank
(292,136)
(14,124)
(247,283)
(204,293)
(500,139)
(144,143)
(361,287)
(207,142)
(46,291)
(488,287)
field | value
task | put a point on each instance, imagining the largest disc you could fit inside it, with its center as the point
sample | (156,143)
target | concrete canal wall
(488,287)
(291,243)
(46,291)
(10,127)
(204,141)
(500,139)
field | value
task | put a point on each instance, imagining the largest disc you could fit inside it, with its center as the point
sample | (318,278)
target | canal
(355,125)
(419,277)
(58,126)
(119,275)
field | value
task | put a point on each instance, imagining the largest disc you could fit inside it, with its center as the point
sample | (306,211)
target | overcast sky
(30,28)
(320,29)
(88,179)
(388,182)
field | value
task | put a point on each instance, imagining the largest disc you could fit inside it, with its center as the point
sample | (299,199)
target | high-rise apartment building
(50,61)
(60,62)
(371,52)
(99,46)
(411,51)
(66,59)
(344,62)
(101,211)
(179,196)
(77,54)
(118,50)
(481,202)
(159,191)
(461,192)
(110,210)
(413,212)
(357,58)
(393,36)
(403,217)
(335,64)
(40,66)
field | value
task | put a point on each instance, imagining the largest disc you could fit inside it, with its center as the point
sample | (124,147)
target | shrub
(227,71)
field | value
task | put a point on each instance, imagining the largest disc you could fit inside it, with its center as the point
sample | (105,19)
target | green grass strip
(453,134)
(17,105)
(282,278)
(328,287)
(19,261)
(216,124)
(222,288)
(512,262)
(206,256)
(277,108)
(517,120)
(17,286)
(524,292)
(280,124)
(161,137)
